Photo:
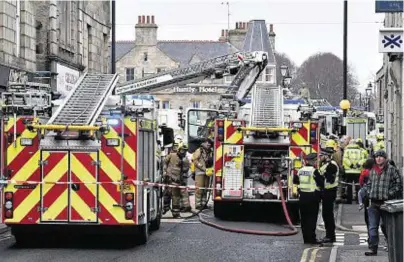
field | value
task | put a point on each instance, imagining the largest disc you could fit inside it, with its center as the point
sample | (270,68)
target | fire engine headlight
(26,141)
(112,122)
(112,142)
(129,206)
(8,205)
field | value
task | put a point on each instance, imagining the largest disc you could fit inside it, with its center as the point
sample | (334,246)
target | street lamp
(286,78)
(368,95)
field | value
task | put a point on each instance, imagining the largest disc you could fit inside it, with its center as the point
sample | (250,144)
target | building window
(195,104)
(165,104)
(268,76)
(130,74)
(145,56)
(160,69)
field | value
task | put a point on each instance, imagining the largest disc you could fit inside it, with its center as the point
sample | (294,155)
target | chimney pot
(271,28)
(143,19)
(148,19)
(237,25)
(152,19)
(139,19)
(222,32)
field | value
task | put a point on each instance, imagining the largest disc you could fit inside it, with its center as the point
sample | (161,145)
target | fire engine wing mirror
(168,135)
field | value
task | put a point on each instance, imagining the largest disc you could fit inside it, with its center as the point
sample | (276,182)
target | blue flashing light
(220,130)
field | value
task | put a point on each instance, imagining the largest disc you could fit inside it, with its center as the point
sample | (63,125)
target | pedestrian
(176,167)
(202,160)
(385,183)
(310,182)
(329,170)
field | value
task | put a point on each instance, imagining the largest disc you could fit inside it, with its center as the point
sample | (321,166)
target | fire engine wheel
(155,224)
(143,234)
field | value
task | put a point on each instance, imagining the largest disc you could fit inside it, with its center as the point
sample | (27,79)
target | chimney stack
(146,31)
(272,35)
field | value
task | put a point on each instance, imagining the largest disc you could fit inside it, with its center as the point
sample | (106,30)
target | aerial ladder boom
(246,66)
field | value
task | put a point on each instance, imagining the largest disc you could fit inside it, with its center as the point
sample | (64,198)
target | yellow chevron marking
(219,155)
(10,123)
(108,202)
(128,153)
(56,207)
(12,152)
(26,171)
(130,125)
(81,207)
(109,168)
(83,175)
(29,202)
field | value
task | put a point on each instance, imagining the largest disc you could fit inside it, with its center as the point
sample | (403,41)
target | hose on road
(259,232)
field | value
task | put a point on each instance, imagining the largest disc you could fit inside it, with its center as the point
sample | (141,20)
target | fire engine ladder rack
(85,102)
(27,96)
(267,106)
(191,74)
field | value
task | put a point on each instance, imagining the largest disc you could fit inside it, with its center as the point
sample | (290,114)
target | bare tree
(322,74)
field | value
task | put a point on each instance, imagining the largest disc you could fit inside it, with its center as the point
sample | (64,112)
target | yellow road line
(305,254)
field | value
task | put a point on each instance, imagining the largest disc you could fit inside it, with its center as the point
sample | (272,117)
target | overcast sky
(302,27)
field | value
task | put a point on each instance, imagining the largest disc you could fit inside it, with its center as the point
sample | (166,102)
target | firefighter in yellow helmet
(337,155)
(353,160)
(379,143)
(203,164)
(365,153)
(176,167)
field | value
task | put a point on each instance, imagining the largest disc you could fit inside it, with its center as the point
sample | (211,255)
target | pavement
(352,243)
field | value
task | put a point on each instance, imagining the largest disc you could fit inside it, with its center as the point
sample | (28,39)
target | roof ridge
(124,41)
(190,41)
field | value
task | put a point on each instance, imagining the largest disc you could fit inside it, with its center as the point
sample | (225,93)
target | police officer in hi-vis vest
(329,170)
(310,182)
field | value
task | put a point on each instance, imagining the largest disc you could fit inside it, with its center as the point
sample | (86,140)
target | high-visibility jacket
(307,183)
(328,184)
(379,145)
(354,158)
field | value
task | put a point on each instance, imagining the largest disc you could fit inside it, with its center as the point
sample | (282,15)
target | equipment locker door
(83,190)
(54,189)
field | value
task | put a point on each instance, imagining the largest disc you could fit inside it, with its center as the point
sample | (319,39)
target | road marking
(363,239)
(172,220)
(340,239)
(333,255)
(304,255)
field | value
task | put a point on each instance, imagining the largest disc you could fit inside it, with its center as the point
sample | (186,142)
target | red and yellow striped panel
(300,141)
(21,164)
(232,135)
(110,170)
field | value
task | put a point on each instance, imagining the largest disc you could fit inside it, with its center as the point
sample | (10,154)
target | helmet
(331,143)
(359,140)
(380,136)
(182,146)
(381,153)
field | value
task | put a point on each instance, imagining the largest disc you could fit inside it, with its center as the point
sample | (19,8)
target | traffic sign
(396,6)
(391,40)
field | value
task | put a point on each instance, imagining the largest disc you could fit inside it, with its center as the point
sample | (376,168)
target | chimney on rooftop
(146,31)
(272,35)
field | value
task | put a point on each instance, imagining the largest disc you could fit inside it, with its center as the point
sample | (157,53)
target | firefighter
(379,143)
(203,163)
(337,155)
(176,167)
(330,171)
(310,183)
(365,153)
(353,161)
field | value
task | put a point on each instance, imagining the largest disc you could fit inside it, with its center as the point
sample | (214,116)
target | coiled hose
(259,232)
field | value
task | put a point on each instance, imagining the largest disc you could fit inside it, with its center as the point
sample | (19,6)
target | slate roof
(183,51)
(257,39)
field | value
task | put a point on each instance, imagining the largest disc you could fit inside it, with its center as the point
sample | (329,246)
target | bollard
(392,212)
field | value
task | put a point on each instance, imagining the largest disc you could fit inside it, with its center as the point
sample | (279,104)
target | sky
(302,28)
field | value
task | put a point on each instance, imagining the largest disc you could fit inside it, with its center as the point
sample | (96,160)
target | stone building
(17,38)
(63,37)
(390,98)
(148,55)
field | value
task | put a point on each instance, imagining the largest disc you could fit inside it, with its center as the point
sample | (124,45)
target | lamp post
(344,101)
(368,95)
(286,78)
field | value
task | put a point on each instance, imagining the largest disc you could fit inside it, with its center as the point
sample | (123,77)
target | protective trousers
(201,180)
(328,197)
(174,194)
(185,205)
(309,206)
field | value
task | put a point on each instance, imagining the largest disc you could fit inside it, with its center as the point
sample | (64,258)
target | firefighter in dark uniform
(310,184)
(329,170)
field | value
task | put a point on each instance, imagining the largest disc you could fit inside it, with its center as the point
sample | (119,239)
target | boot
(328,240)
(371,253)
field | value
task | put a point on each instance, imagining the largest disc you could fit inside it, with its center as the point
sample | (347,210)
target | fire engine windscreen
(261,168)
